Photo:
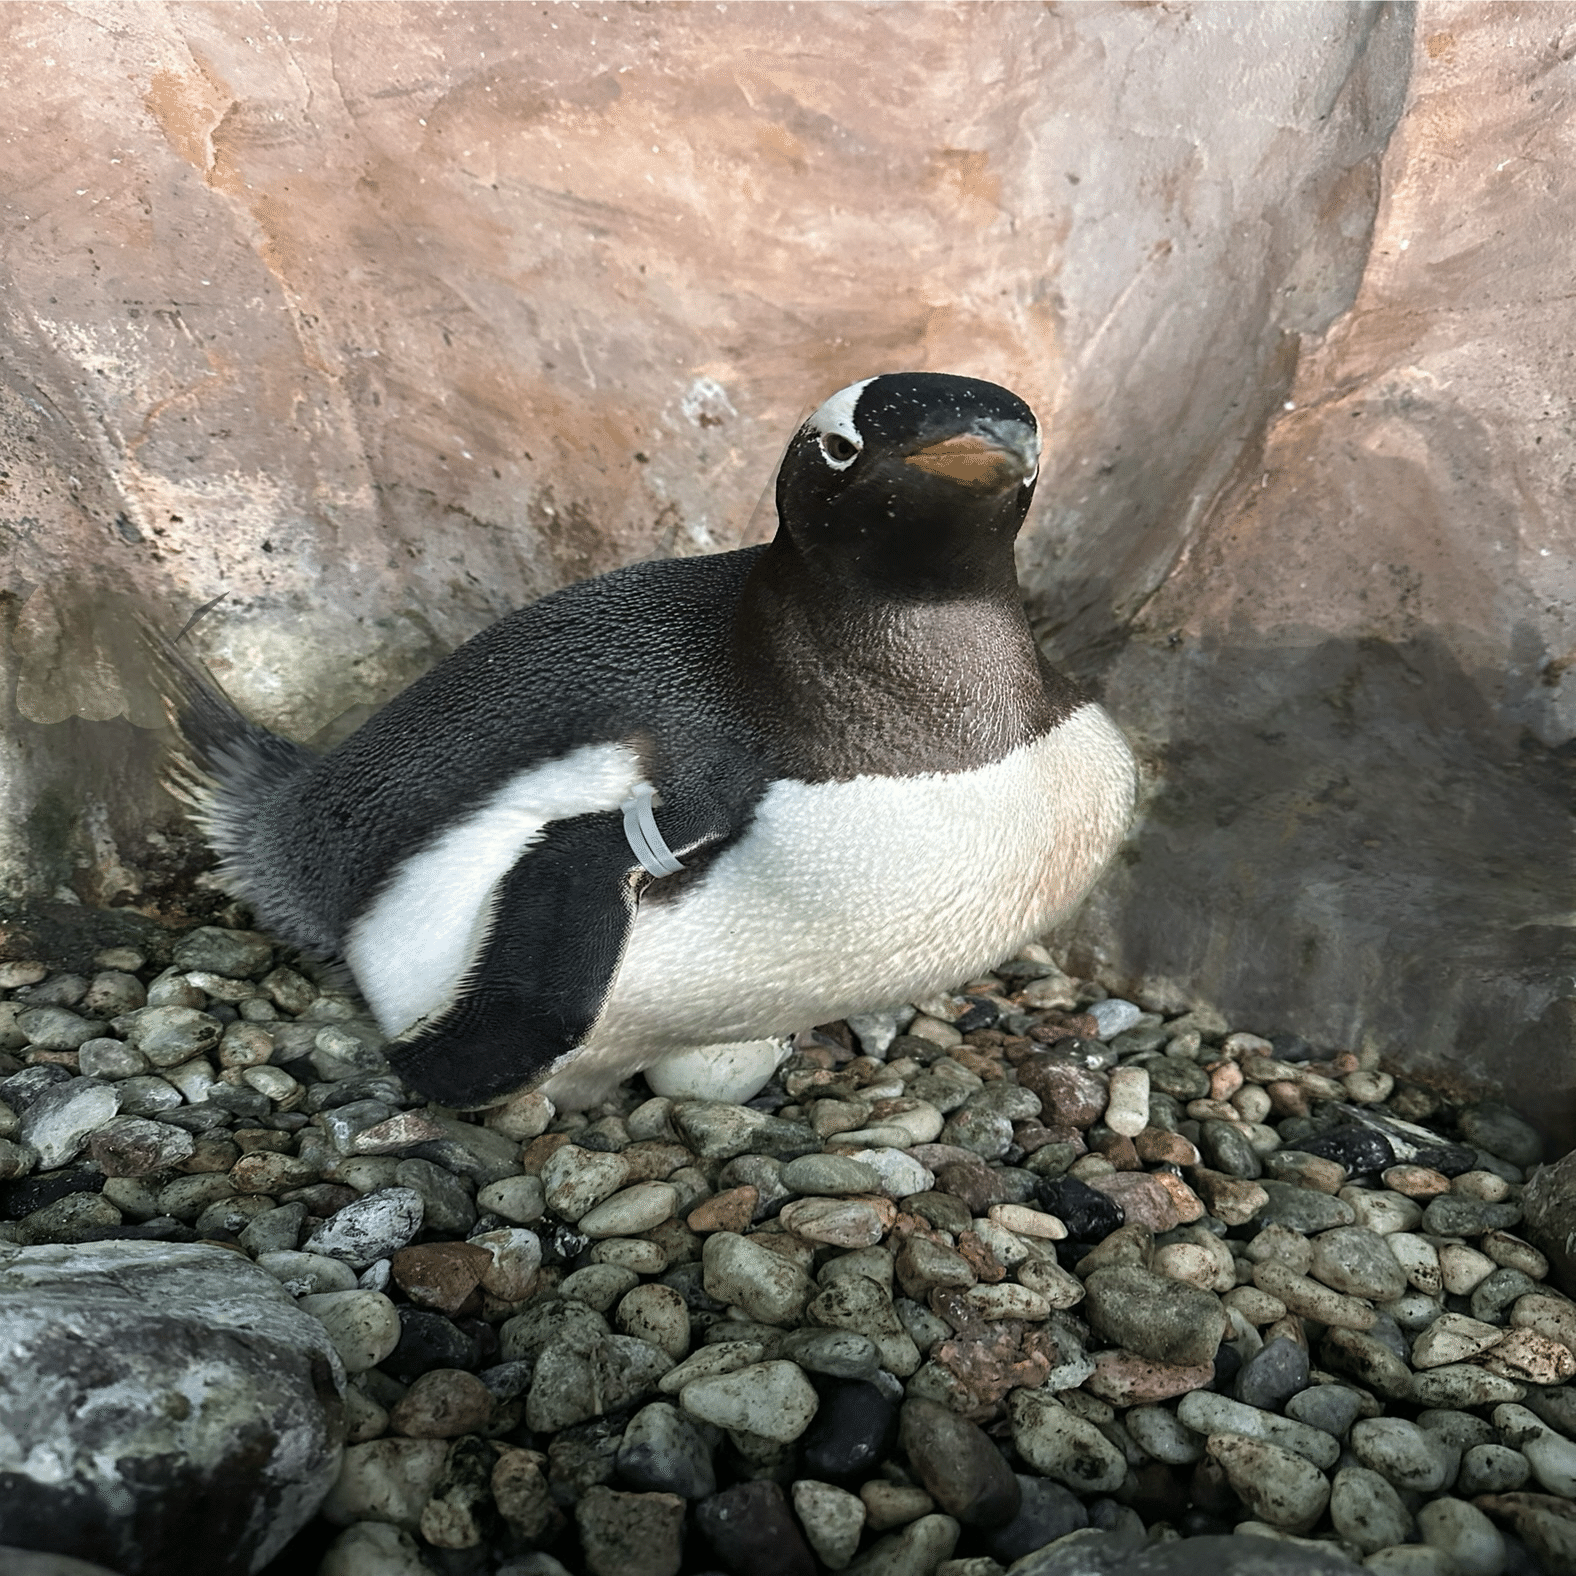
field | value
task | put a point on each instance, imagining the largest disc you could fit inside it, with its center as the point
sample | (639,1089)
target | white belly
(848,896)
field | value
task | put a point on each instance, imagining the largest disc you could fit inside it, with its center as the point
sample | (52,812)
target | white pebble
(1127,1105)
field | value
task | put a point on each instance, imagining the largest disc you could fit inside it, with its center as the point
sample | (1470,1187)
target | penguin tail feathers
(226,764)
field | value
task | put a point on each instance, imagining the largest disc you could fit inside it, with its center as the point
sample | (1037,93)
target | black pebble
(1292,1048)
(29,1193)
(1227,1362)
(1447,1159)
(1047,1512)
(1088,1216)
(754,1533)
(240,1101)
(1359,1149)
(853,1432)
(427,1341)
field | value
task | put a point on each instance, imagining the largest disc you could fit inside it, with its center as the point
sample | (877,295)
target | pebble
(832,1518)
(373,1227)
(1491,1469)
(1273,1375)
(751,1529)
(58,1124)
(958,1464)
(363,1325)
(1060,1444)
(773,1400)
(1278,1485)
(853,1432)
(1366,1510)
(1208,1414)
(134,1146)
(920,1548)
(442,1403)
(1401,1452)
(1472,1542)
(1332,1408)
(576,1180)
(630,1534)
(630,1212)
(764,1285)
(899,1175)
(663,1451)
(1127,1108)
(1301,1209)
(658,1315)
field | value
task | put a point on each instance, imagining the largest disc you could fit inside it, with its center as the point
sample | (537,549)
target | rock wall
(382,319)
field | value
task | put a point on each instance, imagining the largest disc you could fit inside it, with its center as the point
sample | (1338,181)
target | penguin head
(913,482)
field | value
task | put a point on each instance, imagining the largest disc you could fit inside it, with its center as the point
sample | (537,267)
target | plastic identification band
(645,841)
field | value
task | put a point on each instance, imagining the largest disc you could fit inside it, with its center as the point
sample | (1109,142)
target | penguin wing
(555,935)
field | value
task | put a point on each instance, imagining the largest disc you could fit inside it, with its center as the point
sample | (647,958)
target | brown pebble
(1142,1199)
(1156,1146)
(1287,1099)
(1125,1379)
(981,1260)
(1071,1096)
(972,1182)
(215,1153)
(1117,1148)
(443,1403)
(730,1211)
(67,1059)
(1314,1172)
(983,1063)
(1417,1181)
(539,1151)
(1224,1081)
(440,1275)
(1230,1199)
(322,1199)
(1189,1206)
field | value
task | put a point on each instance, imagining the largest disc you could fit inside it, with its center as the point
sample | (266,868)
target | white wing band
(645,841)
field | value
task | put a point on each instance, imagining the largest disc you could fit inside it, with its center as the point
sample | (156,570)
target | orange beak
(977,462)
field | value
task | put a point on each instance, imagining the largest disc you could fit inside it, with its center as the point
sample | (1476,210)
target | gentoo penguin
(701,800)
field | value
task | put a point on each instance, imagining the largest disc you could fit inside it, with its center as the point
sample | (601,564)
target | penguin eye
(839,451)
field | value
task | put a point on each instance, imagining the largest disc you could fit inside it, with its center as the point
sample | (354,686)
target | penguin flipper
(559,924)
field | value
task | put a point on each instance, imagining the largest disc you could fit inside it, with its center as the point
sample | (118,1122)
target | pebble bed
(1014,1265)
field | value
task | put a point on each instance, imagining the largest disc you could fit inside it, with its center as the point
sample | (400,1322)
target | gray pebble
(1273,1375)
(1160,1434)
(57,1028)
(844,1354)
(370,1228)
(169,1036)
(1459,1430)
(1206,1413)
(274,1231)
(1493,1295)
(446,1205)
(1358,1262)
(1449,1216)
(1408,1456)
(1366,1510)
(238,954)
(59,1122)
(630,1211)
(1499,1130)
(58,990)
(1002,1098)
(576,1180)
(307,1274)
(664,1452)
(764,1285)
(111,1059)
(1330,1407)
(1491,1469)
(1463,1533)
(113,992)
(981,1132)
(1302,1210)
(772,1400)
(1113,1016)
(599,1286)
(827,1176)
(1155,1316)
(131,1146)
(1228,1150)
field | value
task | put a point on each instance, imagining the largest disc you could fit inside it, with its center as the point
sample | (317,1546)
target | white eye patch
(835,421)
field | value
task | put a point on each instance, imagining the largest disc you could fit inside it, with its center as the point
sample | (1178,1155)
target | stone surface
(960,1466)
(126,1352)
(751,1529)
(773,1400)
(1154,1316)
(832,1520)
(630,1534)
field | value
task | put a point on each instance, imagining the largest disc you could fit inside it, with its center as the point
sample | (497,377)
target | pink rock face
(383,320)
(1144,1201)
(1126,1379)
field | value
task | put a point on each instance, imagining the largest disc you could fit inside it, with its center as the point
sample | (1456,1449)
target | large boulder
(157,1400)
